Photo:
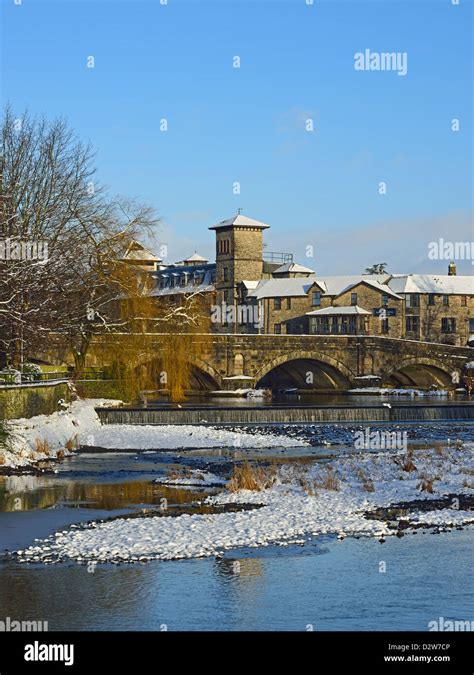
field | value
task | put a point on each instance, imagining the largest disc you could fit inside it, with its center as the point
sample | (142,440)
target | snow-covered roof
(292,267)
(332,311)
(195,257)
(276,288)
(250,285)
(136,251)
(383,288)
(339,284)
(432,283)
(281,287)
(240,221)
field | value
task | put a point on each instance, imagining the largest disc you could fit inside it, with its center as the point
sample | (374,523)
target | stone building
(256,291)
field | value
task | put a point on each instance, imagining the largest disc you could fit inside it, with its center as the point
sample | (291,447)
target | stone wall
(28,401)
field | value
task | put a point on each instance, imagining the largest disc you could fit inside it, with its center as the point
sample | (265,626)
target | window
(431,299)
(463,300)
(316,299)
(276,303)
(385,326)
(384,300)
(277,328)
(225,274)
(412,299)
(446,300)
(288,303)
(225,295)
(353,298)
(223,246)
(448,325)
(471,325)
(412,324)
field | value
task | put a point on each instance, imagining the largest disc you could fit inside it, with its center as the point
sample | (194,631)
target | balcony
(280,258)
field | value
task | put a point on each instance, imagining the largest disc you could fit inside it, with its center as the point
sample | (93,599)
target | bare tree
(50,201)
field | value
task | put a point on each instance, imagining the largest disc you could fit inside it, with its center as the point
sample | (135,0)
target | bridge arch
(421,372)
(204,376)
(292,370)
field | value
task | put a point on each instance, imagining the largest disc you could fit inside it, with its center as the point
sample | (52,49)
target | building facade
(250,290)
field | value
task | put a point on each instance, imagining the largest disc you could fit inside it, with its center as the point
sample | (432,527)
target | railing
(11,379)
(282,258)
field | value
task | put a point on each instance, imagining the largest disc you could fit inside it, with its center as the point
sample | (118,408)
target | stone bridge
(320,362)
(324,363)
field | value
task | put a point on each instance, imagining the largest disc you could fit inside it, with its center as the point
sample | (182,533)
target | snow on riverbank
(385,391)
(296,506)
(81,425)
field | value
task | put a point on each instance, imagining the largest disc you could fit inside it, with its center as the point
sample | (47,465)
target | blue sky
(247,125)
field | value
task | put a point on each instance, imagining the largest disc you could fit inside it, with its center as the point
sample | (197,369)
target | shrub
(246,476)
(42,446)
(407,464)
(426,484)
(329,481)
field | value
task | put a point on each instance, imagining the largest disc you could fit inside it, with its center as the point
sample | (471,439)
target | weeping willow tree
(152,342)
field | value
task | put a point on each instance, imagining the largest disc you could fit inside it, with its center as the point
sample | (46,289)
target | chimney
(452,269)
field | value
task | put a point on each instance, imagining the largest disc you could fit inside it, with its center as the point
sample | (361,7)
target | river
(325,584)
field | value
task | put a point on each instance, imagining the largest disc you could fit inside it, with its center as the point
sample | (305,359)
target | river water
(325,584)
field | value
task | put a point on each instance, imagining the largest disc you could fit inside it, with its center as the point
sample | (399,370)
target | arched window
(238,364)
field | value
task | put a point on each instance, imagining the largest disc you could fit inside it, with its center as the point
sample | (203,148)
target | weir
(286,415)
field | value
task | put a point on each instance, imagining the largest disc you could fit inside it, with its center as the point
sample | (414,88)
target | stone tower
(239,256)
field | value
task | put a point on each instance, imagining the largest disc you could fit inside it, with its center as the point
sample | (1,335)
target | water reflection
(27,493)
(228,568)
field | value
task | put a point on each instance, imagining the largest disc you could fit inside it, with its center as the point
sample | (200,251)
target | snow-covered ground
(296,506)
(384,391)
(80,424)
(192,477)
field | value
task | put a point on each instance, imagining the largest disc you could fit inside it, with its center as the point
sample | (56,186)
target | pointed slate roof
(240,221)
(195,257)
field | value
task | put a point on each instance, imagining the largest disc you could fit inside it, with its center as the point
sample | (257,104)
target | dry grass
(367,483)
(180,472)
(406,464)
(60,454)
(42,446)
(72,443)
(426,484)
(329,481)
(247,476)
(467,484)
(2,459)
(307,487)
